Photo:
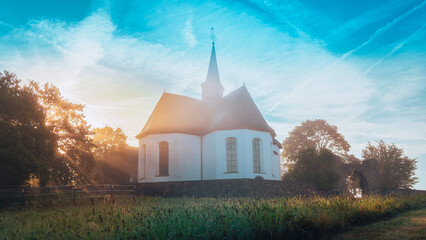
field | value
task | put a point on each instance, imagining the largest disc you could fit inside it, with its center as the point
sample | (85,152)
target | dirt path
(409,225)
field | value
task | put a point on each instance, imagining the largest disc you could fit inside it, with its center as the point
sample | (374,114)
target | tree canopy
(26,142)
(115,159)
(317,166)
(108,139)
(74,159)
(395,169)
(43,135)
(317,134)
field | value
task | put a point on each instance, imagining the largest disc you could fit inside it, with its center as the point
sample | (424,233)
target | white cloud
(188,33)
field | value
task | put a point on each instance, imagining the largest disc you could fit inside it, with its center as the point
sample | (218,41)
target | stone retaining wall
(227,188)
(393,191)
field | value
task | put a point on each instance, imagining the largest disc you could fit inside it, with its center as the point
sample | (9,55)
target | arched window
(231,155)
(163,159)
(257,151)
(142,166)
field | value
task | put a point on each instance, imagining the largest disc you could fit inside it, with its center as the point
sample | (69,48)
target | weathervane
(212,35)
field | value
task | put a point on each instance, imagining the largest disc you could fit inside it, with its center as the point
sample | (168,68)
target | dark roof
(180,114)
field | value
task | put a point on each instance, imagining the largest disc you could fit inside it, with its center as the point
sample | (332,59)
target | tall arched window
(163,159)
(257,155)
(231,155)
(142,166)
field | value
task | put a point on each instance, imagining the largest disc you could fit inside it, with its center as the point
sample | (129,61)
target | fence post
(23,196)
(75,192)
(110,190)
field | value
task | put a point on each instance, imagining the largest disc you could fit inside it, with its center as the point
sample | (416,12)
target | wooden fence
(26,196)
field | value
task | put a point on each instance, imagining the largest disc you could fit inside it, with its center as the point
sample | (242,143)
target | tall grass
(207,218)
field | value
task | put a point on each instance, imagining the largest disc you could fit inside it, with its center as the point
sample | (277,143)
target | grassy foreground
(408,225)
(187,218)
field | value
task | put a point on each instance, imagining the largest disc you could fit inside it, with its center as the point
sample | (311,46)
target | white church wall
(184,158)
(276,162)
(209,156)
(269,166)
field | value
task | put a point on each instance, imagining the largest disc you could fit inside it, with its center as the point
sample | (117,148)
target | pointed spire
(212,88)
(213,72)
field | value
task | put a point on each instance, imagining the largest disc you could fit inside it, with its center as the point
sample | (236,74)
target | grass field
(404,226)
(205,218)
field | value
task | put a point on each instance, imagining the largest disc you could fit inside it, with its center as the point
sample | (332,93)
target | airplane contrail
(344,56)
(396,48)
(382,30)
(288,96)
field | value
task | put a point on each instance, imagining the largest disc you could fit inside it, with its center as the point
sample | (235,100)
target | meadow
(405,226)
(203,218)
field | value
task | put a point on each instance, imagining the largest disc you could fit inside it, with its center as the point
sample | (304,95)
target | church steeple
(212,89)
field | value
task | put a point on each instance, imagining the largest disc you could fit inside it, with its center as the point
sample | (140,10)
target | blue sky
(360,65)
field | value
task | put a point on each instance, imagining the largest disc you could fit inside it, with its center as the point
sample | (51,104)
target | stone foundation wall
(227,188)
(393,191)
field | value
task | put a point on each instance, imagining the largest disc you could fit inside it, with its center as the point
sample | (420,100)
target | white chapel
(217,137)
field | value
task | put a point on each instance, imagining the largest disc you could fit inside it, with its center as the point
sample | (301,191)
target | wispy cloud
(188,33)
(2,23)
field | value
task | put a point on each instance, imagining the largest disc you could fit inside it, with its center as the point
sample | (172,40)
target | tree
(395,169)
(351,159)
(115,159)
(108,139)
(316,134)
(43,136)
(74,160)
(317,166)
(26,143)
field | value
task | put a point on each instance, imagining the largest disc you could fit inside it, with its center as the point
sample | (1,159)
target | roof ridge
(235,91)
(183,96)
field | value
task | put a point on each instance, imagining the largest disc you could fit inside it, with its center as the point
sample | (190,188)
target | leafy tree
(108,139)
(118,166)
(351,159)
(26,143)
(74,160)
(316,134)
(43,136)
(395,169)
(317,166)
(115,159)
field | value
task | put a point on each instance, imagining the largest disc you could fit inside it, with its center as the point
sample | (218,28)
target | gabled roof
(238,111)
(180,114)
(177,114)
